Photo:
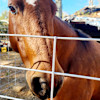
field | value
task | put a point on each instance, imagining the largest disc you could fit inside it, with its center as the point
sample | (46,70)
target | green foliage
(77,13)
(4,15)
(81,13)
(7,73)
(88,13)
(4,25)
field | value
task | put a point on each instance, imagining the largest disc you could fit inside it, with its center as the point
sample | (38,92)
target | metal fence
(53,60)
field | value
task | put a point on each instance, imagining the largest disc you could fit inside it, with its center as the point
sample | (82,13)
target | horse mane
(80,33)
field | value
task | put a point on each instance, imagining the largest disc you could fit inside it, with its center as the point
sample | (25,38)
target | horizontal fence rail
(50,72)
(52,37)
(55,38)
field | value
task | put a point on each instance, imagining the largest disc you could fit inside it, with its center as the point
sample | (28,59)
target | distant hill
(89,12)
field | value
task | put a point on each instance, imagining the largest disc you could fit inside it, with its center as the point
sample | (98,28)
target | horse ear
(53,8)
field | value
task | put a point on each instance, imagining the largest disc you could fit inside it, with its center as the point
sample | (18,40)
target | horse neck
(62,29)
(65,48)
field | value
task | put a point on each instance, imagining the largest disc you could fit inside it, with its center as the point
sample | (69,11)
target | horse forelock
(42,22)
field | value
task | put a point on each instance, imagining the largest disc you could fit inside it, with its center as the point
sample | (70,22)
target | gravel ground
(10,79)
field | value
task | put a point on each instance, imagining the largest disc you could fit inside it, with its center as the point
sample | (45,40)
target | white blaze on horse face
(31,2)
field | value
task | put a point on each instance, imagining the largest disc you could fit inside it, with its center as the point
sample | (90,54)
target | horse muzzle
(41,88)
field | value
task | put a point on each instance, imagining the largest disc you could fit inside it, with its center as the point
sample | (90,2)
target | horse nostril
(35,84)
(39,87)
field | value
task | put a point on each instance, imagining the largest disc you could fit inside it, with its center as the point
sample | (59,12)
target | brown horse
(37,17)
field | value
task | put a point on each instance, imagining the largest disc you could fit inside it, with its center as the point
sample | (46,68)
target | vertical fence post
(53,67)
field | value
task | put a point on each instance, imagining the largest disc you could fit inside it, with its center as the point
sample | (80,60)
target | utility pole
(59,8)
(91,3)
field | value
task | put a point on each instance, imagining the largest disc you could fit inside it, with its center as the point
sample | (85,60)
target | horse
(37,17)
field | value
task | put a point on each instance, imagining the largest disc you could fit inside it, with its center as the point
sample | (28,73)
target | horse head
(35,17)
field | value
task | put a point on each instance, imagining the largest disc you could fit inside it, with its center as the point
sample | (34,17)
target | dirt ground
(13,82)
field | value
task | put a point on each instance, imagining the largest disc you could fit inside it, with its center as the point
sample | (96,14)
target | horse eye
(13,9)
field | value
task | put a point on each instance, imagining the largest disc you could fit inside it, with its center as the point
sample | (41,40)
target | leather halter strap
(39,63)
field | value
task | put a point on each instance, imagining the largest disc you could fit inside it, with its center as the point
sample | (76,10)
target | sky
(3,5)
(69,6)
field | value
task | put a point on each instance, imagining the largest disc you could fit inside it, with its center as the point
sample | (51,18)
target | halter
(39,62)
